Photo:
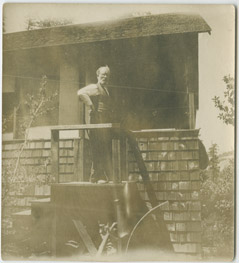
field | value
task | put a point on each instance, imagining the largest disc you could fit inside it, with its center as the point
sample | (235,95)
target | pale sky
(216,51)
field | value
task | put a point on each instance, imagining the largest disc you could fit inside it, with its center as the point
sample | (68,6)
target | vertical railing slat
(77,156)
(55,155)
(81,172)
(191,111)
(123,159)
(116,169)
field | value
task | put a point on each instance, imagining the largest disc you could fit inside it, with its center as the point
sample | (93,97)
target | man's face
(103,77)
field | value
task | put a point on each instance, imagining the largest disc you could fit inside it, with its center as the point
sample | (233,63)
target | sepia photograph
(118,132)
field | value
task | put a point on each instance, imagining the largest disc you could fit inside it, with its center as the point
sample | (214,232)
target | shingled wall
(172,160)
(35,160)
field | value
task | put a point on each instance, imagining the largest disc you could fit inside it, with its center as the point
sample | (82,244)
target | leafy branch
(226,105)
(218,205)
(14,175)
(37,107)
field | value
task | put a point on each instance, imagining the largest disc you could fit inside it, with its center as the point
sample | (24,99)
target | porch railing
(118,151)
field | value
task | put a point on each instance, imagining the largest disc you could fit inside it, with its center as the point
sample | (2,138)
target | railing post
(55,155)
(191,110)
(77,144)
(116,169)
(82,167)
(123,158)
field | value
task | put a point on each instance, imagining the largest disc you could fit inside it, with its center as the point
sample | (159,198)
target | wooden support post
(116,169)
(77,160)
(55,155)
(191,111)
(123,159)
(81,160)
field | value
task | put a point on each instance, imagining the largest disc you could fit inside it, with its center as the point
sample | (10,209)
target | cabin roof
(143,26)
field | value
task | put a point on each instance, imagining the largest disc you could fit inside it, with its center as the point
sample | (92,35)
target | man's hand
(92,107)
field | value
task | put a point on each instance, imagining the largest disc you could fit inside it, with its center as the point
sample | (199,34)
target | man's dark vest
(102,101)
(102,104)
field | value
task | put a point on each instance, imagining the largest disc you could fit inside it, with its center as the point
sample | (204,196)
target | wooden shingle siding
(36,159)
(173,166)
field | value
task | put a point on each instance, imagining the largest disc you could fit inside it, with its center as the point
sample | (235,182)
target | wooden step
(22,213)
(41,201)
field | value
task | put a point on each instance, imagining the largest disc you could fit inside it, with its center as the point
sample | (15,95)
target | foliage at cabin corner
(226,105)
(217,196)
(217,191)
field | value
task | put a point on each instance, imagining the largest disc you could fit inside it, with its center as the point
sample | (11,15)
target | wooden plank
(85,237)
(77,162)
(123,159)
(55,155)
(22,213)
(166,133)
(86,126)
(191,111)
(42,200)
(116,161)
(82,175)
(102,245)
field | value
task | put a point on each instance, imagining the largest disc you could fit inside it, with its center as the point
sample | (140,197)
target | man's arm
(86,92)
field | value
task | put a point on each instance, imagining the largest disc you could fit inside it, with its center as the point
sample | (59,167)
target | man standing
(97,97)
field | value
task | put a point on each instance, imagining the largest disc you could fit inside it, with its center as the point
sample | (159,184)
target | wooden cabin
(154,82)
(153,62)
